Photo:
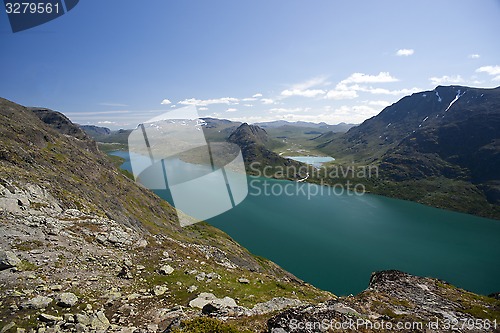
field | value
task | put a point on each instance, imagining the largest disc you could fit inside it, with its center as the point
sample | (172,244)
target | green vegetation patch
(207,325)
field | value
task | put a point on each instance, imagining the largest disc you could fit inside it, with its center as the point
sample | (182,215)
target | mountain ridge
(441,141)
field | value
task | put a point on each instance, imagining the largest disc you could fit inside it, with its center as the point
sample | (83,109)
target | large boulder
(206,298)
(100,322)
(66,300)
(8,260)
(166,270)
(37,303)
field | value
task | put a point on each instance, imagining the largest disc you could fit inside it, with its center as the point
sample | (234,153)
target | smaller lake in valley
(335,241)
(315,161)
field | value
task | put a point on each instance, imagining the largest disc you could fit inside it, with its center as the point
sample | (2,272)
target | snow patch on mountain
(455,99)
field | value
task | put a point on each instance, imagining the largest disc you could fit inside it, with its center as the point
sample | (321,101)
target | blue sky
(114,62)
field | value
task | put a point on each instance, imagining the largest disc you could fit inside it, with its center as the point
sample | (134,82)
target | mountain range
(438,147)
(85,249)
(449,136)
(340,128)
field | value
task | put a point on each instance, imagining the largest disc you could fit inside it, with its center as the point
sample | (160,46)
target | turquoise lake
(335,241)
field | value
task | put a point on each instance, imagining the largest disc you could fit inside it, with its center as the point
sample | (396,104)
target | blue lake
(335,241)
(315,161)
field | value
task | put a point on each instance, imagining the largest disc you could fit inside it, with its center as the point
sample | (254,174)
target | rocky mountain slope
(95,131)
(59,122)
(83,247)
(395,302)
(256,147)
(449,136)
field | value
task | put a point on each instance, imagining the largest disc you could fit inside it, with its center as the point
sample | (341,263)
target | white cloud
(381,91)
(446,80)
(198,102)
(202,108)
(303,89)
(496,78)
(341,94)
(106,122)
(382,77)
(405,52)
(248,105)
(474,56)
(316,81)
(249,99)
(491,70)
(257,95)
(303,93)
(345,89)
(356,113)
(166,102)
(231,110)
(267,101)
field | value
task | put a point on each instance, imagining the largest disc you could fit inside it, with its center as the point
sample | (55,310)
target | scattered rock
(275,304)
(37,303)
(8,327)
(8,260)
(201,276)
(159,290)
(243,280)
(205,298)
(80,328)
(213,275)
(100,322)
(66,300)
(166,270)
(125,273)
(82,319)
(112,296)
(223,311)
(495,296)
(192,288)
(49,318)
(68,318)
(127,262)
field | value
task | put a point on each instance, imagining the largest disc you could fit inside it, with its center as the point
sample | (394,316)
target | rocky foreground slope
(84,249)
(70,222)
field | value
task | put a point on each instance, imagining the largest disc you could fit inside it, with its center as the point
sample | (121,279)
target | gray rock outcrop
(8,260)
